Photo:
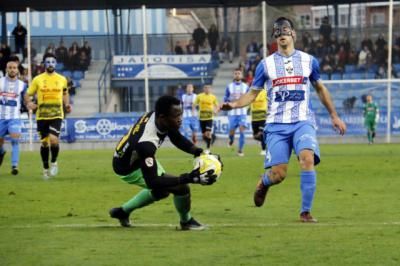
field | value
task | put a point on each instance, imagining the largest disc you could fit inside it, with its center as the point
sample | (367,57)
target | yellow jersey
(206,103)
(50,89)
(259,107)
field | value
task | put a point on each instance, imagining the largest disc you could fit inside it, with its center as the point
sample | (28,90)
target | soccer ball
(207,162)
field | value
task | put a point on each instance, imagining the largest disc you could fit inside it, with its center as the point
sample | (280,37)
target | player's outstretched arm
(326,100)
(244,100)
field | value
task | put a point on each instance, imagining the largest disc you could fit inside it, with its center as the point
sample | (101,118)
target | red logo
(288,81)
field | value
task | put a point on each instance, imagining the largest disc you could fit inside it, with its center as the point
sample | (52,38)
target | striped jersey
(188,101)
(288,86)
(233,92)
(11,97)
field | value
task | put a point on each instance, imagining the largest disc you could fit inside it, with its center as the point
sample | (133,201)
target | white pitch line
(294,224)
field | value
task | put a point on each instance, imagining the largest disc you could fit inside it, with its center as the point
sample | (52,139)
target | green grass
(64,221)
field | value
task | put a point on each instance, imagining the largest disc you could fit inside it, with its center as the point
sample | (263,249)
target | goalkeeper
(371,117)
(134,161)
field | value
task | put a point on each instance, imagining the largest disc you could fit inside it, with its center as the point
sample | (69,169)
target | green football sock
(182,205)
(143,198)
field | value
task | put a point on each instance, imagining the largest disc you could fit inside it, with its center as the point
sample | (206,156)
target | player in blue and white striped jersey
(290,123)
(190,125)
(236,117)
(11,98)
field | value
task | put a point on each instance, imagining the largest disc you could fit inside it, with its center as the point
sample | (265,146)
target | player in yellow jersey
(51,93)
(208,106)
(258,115)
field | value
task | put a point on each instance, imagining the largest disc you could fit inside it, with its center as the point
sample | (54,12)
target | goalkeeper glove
(207,178)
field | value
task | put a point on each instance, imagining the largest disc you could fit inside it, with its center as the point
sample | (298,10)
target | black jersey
(138,147)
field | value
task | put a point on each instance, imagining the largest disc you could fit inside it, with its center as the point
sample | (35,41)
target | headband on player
(282,27)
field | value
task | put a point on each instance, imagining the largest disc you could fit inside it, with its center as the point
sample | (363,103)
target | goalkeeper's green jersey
(370,111)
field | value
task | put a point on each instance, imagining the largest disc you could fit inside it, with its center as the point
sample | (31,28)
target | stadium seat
(336,76)
(78,75)
(357,75)
(370,75)
(77,83)
(396,67)
(350,68)
(59,67)
(67,73)
(324,76)
(346,76)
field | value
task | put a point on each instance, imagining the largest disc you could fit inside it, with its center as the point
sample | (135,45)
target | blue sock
(266,181)
(241,141)
(15,152)
(231,138)
(308,182)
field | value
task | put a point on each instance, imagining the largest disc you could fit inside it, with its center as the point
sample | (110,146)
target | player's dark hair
(280,19)
(13,58)
(164,104)
(46,55)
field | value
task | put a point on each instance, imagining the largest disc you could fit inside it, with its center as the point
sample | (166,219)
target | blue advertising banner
(162,66)
(113,128)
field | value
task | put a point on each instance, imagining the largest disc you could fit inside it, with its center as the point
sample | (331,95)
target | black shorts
(258,126)
(51,126)
(206,125)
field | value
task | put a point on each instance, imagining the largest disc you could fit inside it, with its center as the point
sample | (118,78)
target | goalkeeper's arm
(148,165)
(183,144)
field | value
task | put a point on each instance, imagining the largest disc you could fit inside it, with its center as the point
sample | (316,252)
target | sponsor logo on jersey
(282,81)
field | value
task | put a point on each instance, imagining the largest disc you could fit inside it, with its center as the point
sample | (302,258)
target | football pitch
(64,221)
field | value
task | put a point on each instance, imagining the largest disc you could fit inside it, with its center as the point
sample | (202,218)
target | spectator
(213,37)
(352,58)
(19,33)
(325,30)
(50,49)
(367,42)
(71,89)
(74,49)
(178,48)
(249,77)
(88,50)
(199,36)
(381,73)
(273,47)
(33,53)
(346,43)
(341,59)
(396,50)
(364,58)
(381,55)
(225,50)
(380,43)
(327,65)
(348,104)
(82,62)
(61,53)
(6,51)
(253,47)
(191,48)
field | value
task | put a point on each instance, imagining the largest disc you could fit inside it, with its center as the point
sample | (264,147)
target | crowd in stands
(72,62)
(339,59)
(205,43)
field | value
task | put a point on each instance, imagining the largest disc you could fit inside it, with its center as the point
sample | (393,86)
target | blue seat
(357,75)
(346,76)
(78,75)
(396,67)
(67,73)
(77,83)
(370,75)
(350,68)
(336,76)
(59,67)
(324,76)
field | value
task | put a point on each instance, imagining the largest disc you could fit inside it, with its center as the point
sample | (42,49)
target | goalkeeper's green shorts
(136,177)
